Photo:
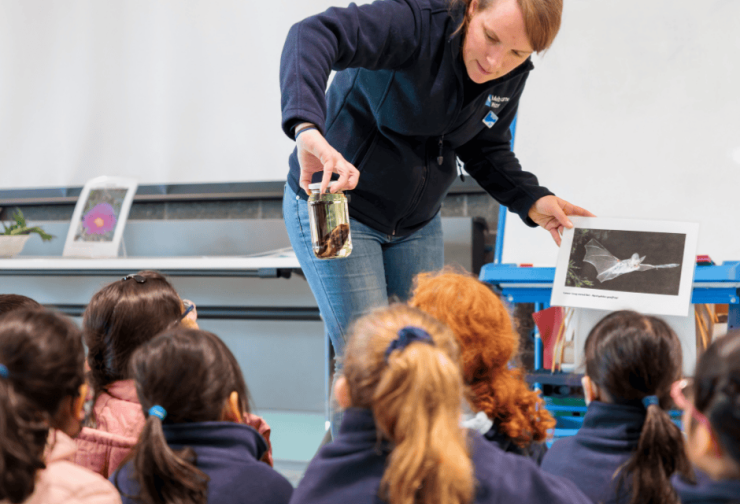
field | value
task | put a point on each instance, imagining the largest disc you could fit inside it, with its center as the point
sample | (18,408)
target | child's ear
(341,392)
(78,405)
(702,442)
(232,411)
(590,389)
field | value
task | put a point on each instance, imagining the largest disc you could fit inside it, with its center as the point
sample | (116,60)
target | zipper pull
(441,158)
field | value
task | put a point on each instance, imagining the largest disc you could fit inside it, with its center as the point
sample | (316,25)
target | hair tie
(158,411)
(4,373)
(406,336)
(651,399)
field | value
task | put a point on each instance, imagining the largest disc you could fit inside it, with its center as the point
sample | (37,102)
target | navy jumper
(349,470)
(706,490)
(229,453)
(607,439)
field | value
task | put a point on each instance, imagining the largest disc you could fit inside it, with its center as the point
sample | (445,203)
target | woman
(419,83)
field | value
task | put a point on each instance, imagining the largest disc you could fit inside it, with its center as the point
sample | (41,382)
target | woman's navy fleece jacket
(395,110)
(349,470)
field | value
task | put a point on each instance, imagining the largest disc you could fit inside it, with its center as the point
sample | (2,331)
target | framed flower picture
(99,218)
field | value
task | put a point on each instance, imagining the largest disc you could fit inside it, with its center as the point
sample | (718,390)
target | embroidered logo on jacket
(490,119)
(496,101)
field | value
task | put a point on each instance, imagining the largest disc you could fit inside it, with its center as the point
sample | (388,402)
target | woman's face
(496,41)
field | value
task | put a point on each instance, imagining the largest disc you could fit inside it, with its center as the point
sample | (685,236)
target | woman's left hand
(550,212)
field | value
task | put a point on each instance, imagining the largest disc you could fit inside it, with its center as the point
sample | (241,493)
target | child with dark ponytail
(194,447)
(121,317)
(400,440)
(41,394)
(628,447)
(711,421)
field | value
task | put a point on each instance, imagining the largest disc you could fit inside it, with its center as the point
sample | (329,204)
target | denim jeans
(380,267)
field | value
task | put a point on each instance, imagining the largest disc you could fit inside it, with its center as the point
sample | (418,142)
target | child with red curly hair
(506,411)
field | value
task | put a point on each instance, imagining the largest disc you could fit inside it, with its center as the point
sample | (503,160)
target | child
(711,420)
(193,447)
(41,396)
(508,412)
(10,302)
(121,316)
(400,440)
(628,447)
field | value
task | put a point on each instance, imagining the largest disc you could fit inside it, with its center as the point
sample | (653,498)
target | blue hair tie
(158,411)
(651,399)
(4,373)
(406,336)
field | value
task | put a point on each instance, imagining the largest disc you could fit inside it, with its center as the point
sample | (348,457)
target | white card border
(656,304)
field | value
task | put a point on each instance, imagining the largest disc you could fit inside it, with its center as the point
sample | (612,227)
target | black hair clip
(138,278)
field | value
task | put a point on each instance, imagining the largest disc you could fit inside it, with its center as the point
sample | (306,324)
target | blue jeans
(380,267)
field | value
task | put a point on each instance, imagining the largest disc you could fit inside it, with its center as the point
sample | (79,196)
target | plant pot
(12,245)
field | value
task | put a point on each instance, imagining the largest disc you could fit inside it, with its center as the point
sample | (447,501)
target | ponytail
(415,391)
(417,406)
(42,356)
(182,376)
(632,357)
(22,442)
(659,454)
(166,476)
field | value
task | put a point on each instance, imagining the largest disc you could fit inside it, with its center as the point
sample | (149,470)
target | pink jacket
(119,421)
(64,482)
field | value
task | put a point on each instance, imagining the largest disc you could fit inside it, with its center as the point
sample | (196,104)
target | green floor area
(295,438)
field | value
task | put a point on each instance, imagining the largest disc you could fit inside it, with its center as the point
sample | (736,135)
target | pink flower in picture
(100,219)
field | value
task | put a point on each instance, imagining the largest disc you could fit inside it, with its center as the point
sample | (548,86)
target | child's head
(631,358)
(122,316)
(11,302)
(714,395)
(41,374)
(182,375)
(488,343)
(404,365)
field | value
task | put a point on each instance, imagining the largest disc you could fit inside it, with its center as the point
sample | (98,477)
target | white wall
(167,91)
(635,112)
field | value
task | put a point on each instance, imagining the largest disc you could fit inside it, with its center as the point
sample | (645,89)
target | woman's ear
(341,392)
(232,411)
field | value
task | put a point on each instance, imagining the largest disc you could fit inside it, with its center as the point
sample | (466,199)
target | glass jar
(329,217)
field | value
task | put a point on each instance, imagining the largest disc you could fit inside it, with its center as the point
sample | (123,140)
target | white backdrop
(635,113)
(166,91)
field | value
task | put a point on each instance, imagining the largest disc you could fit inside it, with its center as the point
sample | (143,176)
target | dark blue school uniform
(536,451)
(607,439)
(349,470)
(229,454)
(706,490)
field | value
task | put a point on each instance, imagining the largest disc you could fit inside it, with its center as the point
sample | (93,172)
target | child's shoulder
(508,477)
(64,481)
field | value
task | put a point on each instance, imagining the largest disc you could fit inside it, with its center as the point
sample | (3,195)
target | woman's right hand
(315,155)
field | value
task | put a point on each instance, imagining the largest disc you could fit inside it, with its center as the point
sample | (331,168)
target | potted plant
(15,235)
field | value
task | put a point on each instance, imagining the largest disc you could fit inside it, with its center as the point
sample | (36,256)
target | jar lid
(317,186)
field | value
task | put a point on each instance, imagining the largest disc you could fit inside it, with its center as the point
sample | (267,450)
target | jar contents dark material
(329,218)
